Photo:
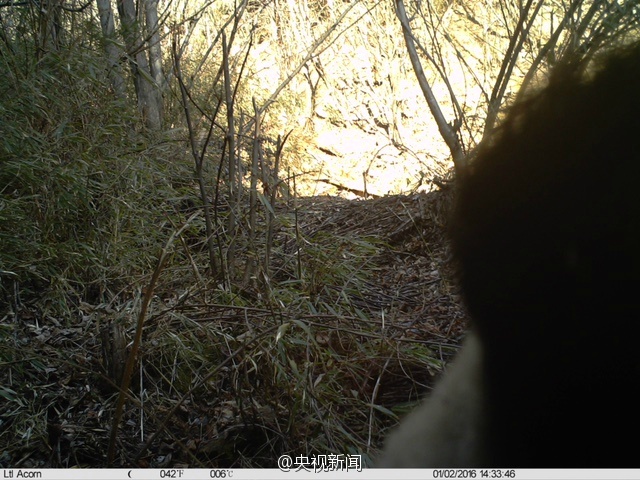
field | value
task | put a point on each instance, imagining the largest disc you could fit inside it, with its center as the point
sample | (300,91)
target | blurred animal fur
(546,232)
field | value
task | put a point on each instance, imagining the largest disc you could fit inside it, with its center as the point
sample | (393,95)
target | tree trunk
(51,29)
(112,50)
(155,52)
(139,64)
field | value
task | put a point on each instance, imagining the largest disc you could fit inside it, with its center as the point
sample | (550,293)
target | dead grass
(300,365)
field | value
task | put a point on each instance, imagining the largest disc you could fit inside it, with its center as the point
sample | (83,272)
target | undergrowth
(298,344)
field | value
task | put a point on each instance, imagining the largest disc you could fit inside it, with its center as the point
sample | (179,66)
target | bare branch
(448,132)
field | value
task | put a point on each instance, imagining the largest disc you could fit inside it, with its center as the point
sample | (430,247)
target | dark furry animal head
(547,235)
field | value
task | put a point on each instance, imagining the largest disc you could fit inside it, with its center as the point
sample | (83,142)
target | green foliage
(48,190)
(79,188)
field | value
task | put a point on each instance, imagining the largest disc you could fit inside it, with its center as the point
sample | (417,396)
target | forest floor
(238,384)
